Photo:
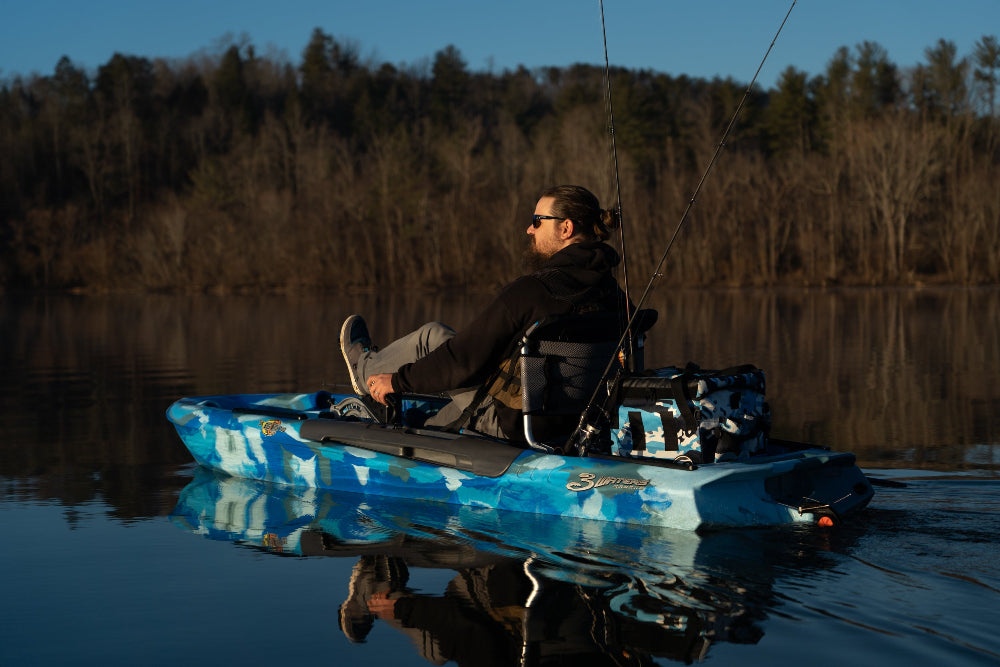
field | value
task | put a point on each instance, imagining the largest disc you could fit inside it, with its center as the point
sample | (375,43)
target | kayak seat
(562,360)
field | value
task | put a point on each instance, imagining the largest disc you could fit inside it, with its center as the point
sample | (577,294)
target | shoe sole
(358,386)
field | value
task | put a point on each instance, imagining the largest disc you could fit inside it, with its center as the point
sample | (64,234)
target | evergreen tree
(875,83)
(450,86)
(940,87)
(791,114)
(229,83)
(986,58)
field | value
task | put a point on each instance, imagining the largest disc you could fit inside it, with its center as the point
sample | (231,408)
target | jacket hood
(585,257)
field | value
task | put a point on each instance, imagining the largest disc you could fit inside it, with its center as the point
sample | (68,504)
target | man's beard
(533,259)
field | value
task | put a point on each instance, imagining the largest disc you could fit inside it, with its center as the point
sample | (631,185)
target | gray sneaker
(354,342)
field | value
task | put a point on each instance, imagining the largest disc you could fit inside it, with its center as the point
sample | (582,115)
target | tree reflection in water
(527,589)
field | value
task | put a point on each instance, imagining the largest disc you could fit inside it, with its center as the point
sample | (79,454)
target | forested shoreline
(234,171)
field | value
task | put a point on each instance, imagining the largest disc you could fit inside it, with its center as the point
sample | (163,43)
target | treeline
(235,171)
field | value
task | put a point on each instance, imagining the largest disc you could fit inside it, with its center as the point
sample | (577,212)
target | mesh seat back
(562,361)
(558,377)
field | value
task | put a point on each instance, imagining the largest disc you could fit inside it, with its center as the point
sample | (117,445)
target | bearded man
(570,272)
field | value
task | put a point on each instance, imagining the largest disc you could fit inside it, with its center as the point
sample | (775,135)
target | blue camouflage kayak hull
(295,439)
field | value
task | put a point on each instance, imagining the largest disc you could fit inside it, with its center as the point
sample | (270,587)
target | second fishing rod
(586,431)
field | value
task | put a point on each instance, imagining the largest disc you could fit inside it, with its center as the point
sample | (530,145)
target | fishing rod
(618,190)
(584,426)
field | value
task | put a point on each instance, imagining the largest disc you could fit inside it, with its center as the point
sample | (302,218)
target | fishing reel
(592,434)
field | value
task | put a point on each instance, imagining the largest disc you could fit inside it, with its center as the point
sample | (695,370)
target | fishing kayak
(331,442)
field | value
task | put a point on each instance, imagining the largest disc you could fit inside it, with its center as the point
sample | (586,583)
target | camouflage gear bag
(705,415)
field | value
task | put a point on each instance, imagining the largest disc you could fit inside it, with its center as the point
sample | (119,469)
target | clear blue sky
(701,38)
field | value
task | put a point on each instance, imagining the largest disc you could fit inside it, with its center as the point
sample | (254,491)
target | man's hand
(380,385)
(382,606)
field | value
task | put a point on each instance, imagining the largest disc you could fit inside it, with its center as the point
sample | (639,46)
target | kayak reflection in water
(509,613)
(521,588)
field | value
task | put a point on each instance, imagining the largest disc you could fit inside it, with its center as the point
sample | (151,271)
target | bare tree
(893,162)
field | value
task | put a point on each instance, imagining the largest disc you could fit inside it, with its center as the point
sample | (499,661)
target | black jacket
(577,278)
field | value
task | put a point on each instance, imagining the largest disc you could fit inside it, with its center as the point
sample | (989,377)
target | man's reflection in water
(508,613)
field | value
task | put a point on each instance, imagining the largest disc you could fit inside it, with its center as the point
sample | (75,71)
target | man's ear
(566,229)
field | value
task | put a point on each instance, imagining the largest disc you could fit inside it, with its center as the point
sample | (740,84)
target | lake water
(120,551)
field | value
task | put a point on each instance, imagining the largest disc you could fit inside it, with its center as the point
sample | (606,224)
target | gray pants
(416,345)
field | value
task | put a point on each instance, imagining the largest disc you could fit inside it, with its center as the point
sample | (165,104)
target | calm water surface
(120,551)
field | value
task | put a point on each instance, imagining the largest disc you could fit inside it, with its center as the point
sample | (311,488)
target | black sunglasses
(536,220)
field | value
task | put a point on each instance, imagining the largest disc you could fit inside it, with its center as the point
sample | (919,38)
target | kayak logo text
(269,427)
(589,480)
